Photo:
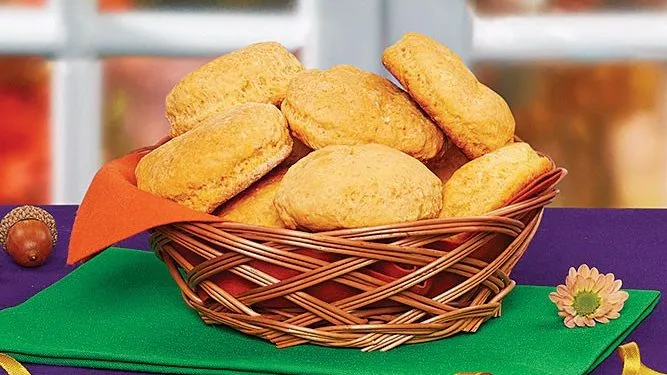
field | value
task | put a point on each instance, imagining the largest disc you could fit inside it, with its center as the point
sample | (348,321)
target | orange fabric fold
(114,209)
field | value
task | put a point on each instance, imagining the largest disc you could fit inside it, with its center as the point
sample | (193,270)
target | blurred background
(604,118)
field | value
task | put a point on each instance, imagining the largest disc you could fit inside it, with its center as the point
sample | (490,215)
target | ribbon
(12,366)
(632,362)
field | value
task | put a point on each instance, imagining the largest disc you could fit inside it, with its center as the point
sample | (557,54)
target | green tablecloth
(122,310)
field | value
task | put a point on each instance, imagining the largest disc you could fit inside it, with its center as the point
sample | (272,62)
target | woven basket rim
(546,182)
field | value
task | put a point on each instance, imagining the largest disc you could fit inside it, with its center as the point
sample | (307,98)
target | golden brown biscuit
(346,105)
(255,204)
(452,160)
(257,73)
(490,181)
(357,186)
(472,115)
(219,158)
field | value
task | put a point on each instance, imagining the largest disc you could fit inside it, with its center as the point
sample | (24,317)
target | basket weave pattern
(359,320)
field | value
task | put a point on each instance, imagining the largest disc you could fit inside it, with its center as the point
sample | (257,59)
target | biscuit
(490,181)
(473,116)
(255,204)
(357,186)
(346,106)
(225,154)
(257,73)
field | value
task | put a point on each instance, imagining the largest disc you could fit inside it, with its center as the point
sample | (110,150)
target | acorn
(28,234)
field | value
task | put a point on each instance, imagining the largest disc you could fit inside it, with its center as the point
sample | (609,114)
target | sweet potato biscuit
(255,204)
(346,106)
(472,115)
(257,73)
(219,158)
(490,181)
(356,186)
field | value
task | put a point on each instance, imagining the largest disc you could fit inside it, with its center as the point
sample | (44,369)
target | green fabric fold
(122,310)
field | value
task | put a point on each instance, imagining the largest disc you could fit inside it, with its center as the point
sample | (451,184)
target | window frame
(75,36)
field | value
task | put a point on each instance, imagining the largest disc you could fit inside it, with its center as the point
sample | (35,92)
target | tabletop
(627,242)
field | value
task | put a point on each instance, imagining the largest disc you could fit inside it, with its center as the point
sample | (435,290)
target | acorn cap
(27,213)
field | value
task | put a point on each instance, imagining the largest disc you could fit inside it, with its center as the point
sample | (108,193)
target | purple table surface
(628,242)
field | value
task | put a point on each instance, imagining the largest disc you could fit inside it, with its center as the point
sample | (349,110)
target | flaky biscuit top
(222,156)
(346,105)
(357,186)
(490,181)
(257,73)
(255,205)
(473,116)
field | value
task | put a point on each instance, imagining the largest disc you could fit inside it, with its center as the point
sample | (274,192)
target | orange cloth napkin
(114,209)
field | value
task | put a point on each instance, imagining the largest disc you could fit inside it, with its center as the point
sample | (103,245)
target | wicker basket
(332,292)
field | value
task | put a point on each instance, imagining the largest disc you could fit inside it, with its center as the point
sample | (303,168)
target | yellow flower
(588,297)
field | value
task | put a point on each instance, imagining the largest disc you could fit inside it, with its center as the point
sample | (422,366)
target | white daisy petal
(562,291)
(578,284)
(599,285)
(595,274)
(584,270)
(617,297)
(609,284)
(572,272)
(588,284)
(617,286)
(570,280)
(605,309)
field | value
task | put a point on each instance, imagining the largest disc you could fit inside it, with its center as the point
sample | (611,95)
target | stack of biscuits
(258,139)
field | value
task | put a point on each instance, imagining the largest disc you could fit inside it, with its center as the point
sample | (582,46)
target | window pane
(134,92)
(501,7)
(244,5)
(607,124)
(25,152)
(135,89)
(23,3)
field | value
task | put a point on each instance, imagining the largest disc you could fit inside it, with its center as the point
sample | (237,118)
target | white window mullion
(349,32)
(75,102)
(76,126)
(307,11)
(449,22)
(598,36)
(194,34)
(29,31)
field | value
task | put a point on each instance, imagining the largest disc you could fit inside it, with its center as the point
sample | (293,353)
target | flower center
(586,302)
